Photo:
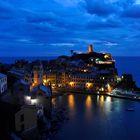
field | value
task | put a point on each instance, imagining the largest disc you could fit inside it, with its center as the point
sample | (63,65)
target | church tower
(38,74)
(90,48)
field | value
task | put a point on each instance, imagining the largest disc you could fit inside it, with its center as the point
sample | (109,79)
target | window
(22,127)
(21,89)
(22,118)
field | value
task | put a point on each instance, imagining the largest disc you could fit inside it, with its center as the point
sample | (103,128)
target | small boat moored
(130,109)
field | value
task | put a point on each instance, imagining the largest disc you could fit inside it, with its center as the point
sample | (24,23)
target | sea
(92,117)
(129,65)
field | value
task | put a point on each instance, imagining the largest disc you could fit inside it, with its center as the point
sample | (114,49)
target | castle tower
(90,48)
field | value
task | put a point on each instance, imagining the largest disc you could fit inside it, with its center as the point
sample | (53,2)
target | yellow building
(81,81)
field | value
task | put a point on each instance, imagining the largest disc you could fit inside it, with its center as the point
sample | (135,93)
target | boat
(130,109)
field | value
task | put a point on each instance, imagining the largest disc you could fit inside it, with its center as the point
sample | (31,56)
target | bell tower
(38,74)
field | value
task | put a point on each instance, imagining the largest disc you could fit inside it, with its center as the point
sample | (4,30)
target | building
(90,48)
(38,74)
(81,81)
(41,95)
(127,82)
(52,77)
(7,119)
(18,73)
(92,58)
(21,88)
(26,118)
(3,83)
(102,81)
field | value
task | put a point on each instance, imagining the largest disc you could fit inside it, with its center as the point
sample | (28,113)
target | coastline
(96,94)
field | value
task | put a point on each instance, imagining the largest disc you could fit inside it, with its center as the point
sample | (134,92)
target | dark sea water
(130,65)
(98,118)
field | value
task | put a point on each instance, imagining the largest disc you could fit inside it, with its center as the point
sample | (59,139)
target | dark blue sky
(54,27)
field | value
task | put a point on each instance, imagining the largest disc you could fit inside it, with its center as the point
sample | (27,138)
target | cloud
(103,24)
(132,12)
(42,25)
(110,44)
(63,44)
(6,11)
(106,8)
(40,18)
(100,8)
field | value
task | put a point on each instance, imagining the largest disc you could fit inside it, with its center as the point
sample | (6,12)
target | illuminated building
(52,78)
(57,80)
(38,74)
(92,81)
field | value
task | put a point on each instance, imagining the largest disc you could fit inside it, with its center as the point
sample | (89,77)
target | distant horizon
(64,55)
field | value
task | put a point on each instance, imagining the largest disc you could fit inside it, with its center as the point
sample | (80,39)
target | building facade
(3,83)
(26,118)
(93,82)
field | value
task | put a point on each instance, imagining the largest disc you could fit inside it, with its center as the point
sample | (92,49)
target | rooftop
(2,75)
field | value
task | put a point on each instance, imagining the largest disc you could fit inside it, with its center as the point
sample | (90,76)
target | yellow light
(59,85)
(88,101)
(71,102)
(85,70)
(53,86)
(106,56)
(101,102)
(109,88)
(89,109)
(102,99)
(44,81)
(71,83)
(89,85)
(102,89)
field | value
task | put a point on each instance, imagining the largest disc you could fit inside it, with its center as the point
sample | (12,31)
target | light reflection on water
(98,118)
(71,102)
(100,101)
(89,107)
(71,105)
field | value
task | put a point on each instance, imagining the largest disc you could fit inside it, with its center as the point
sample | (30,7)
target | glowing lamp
(28,98)
(71,83)
(45,81)
(33,101)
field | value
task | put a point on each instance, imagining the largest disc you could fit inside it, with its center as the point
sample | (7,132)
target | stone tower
(90,48)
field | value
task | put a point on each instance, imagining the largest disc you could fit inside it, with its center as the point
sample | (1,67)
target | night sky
(54,27)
